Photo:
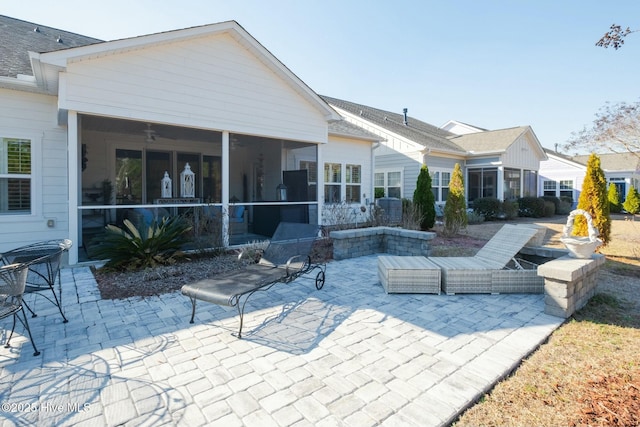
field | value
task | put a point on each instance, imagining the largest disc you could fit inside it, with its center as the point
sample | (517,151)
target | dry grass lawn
(588,373)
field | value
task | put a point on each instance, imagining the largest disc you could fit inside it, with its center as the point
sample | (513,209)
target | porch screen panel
(530,188)
(157,163)
(128,177)
(15,176)
(211,179)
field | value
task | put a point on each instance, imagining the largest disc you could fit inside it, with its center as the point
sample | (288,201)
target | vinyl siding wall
(34,117)
(212,83)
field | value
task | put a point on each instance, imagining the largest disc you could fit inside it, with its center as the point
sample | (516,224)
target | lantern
(165,185)
(187,182)
(281,193)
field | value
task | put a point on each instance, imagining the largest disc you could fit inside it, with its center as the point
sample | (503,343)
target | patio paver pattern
(348,354)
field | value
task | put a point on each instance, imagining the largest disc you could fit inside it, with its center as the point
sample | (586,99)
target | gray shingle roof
(19,37)
(613,161)
(492,140)
(429,136)
(345,128)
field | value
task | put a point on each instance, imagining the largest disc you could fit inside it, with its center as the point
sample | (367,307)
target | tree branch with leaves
(614,37)
(616,129)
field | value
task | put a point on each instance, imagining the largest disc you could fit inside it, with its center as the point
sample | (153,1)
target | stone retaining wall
(367,241)
(569,283)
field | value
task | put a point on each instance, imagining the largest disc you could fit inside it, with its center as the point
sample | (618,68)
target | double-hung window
(15,176)
(353,183)
(332,182)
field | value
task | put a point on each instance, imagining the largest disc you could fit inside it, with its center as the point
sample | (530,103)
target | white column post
(74,190)
(225,187)
(320,183)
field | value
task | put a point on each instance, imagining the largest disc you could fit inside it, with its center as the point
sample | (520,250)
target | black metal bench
(287,257)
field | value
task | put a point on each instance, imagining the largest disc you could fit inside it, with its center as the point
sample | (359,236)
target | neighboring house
(621,169)
(76,113)
(563,175)
(501,163)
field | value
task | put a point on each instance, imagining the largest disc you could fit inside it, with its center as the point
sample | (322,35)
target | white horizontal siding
(211,82)
(34,117)
(521,155)
(351,152)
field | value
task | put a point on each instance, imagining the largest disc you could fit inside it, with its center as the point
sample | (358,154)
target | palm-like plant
(128,248)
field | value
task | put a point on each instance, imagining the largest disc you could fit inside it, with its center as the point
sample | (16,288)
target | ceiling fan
(150,134)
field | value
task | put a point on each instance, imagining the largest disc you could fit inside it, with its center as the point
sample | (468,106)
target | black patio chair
(13,279)
(287,257)
(44,260)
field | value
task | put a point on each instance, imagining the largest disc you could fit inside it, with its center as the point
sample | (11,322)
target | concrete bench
(408,274)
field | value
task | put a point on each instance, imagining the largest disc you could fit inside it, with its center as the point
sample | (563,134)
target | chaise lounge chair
(286,258)
(476,274)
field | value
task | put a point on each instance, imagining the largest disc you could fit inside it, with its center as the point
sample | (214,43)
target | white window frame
(437,183)
(328,181)
(348,177)
(386,186)
(34,176)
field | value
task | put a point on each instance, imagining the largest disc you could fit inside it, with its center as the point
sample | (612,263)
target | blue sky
(493,64)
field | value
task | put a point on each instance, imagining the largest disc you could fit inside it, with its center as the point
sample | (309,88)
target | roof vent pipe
(405,121)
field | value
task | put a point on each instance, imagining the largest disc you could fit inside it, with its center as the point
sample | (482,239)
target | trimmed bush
(593,199)
(531,207)
(455,210)
(510,210)
(489,207)
(554,200)
(632,202)
(424,199)
(549,209)
(614,199)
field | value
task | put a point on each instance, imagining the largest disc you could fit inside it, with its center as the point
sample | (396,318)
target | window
(15,176)
(440,185)
(511,184)
(353,184)
(566,189)
(482,183)
(332,182)
(549,188)
(394,181)
(530,184)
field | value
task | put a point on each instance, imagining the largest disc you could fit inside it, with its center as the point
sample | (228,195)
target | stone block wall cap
(569,269)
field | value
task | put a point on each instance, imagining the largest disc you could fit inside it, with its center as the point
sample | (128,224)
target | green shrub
(128,248)
(593,199)
(549,208)
(489,207)
(531,207)
(510,209)
(424,199)
(614,199)
(455,209)
(554,200)
(632,202)
(564,208)
(474,217)
(378,193)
